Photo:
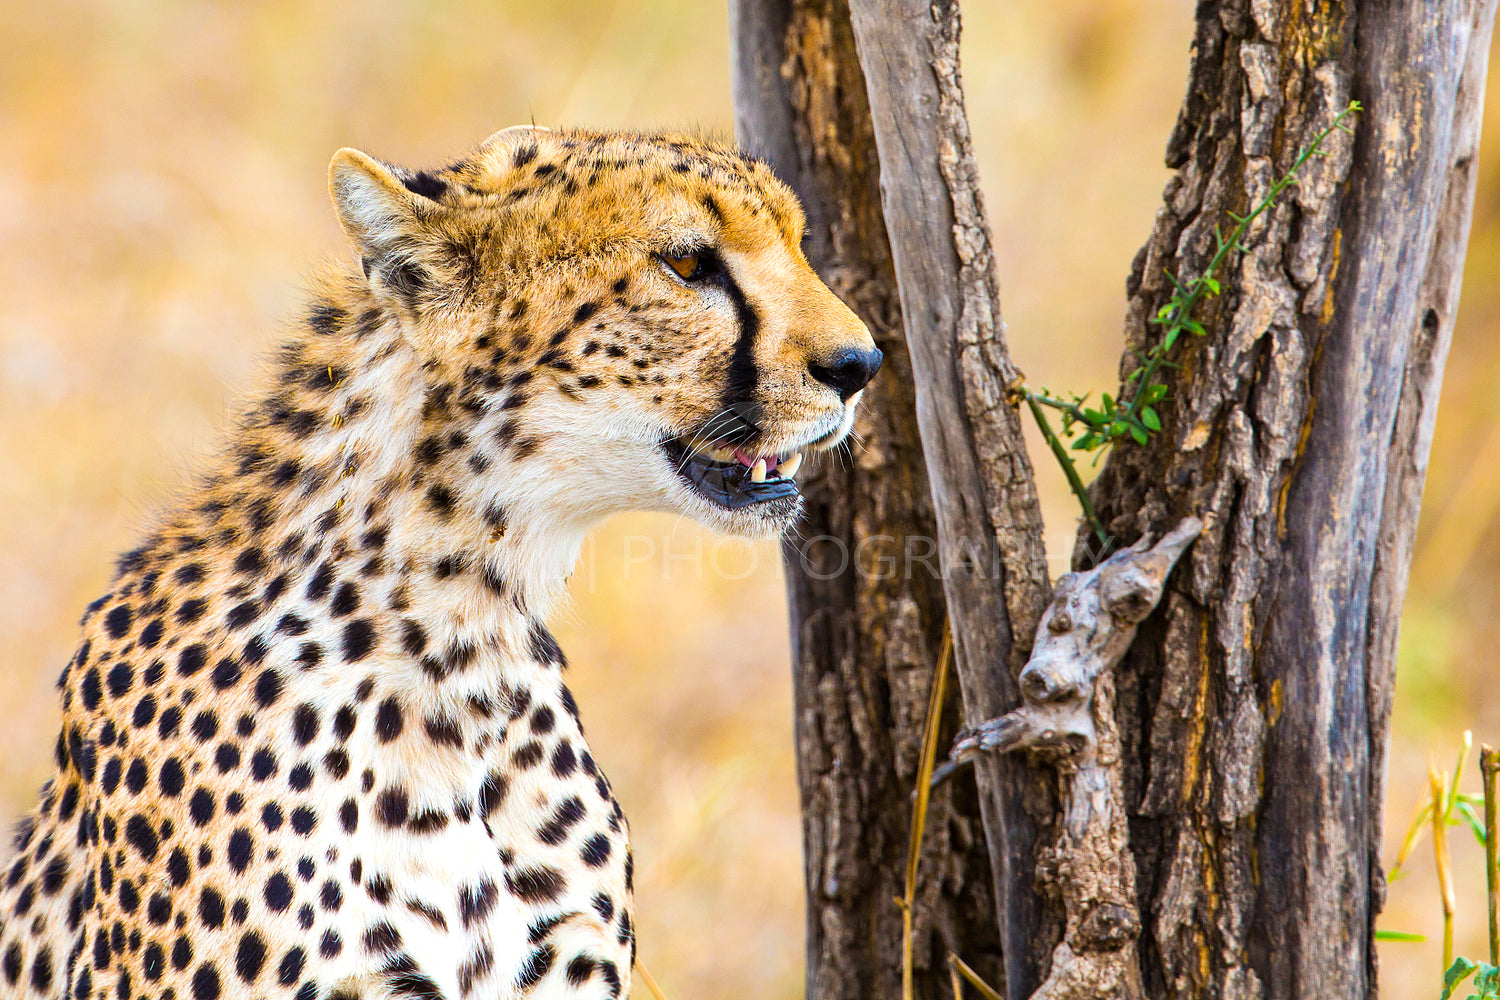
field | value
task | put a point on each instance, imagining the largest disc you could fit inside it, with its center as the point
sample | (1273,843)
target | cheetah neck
(361,475)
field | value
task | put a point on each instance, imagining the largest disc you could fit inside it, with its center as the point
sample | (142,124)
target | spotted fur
(316,742)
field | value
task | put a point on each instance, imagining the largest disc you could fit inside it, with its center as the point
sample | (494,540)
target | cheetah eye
(695,266)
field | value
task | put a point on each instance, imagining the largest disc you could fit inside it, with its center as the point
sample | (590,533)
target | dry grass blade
(1489,767)
(985,989)
(1419,819)
(1444,866)
(650,983)
(925,765)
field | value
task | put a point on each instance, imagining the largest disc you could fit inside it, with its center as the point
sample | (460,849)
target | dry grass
(161,196)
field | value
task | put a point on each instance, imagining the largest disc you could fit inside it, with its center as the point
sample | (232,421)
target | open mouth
(735,482)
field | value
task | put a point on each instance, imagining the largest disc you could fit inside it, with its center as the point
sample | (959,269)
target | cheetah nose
(848,371)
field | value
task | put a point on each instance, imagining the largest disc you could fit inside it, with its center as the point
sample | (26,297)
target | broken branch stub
(1067,718)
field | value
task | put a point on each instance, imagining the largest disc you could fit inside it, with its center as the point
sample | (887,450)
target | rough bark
(867,604)
(988,517)
(1255,708)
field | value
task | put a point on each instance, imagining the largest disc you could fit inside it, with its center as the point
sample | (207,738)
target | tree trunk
(1256,708)
(866,598)
(1254,704)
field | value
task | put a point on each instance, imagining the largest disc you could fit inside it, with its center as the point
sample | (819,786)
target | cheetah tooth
(789,468)
(758,471)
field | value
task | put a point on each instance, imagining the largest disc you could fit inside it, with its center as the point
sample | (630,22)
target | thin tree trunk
(988,517)
(1256,708)
(866,599)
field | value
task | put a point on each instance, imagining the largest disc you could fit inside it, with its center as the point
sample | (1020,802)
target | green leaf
(1211,284)
(1194,327)
(1107,402)
(1457,973)
(1150,419)
(1095,417)
(1384,935)
(1139,435)
(1154,393)
(1476,826)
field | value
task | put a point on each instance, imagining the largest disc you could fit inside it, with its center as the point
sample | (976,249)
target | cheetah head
(630,318)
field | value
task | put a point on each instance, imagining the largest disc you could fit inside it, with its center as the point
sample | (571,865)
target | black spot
(41,970)
(580,969)
(425,184)
(359,639)
(142,836)
(413,638)
(241,850)
(278,893)
(166,726)
(205,725)
(388,720)
(596,850)
(291,624)
(538,963)
(267,688)
(322,581)
(191,659)
(382,938)
(428,821)
(564,760)
(227,673)
(391,806)
(544,648)
(475,902)
(345,599)
(191,610)
(242,614)
(343,722)
(492,793)
(171,777)
(291,967)
(336,762)
(584,312)
(300,778)
(271,817)
(529,755)
(441,499)
(542,720)
(262,764)
(535,885)
(145,711)
(226,757)
(443,730)
(201,807)
(121,677)
(118,621)
(304,820)
(211,908)
(178,868)
(305,724)
(250,957)
(555,830)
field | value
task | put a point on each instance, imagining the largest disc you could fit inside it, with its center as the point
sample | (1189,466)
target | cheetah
(316,742)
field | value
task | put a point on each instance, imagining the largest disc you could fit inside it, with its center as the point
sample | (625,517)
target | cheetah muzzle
(316,742)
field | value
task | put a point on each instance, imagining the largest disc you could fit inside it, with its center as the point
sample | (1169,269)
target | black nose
(849,370)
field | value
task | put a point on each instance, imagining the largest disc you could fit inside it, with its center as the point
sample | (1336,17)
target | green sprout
(1093,428)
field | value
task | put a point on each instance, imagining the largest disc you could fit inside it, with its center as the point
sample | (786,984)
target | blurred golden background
(162,197)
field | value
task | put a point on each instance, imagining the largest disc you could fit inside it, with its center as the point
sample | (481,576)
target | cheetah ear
(383,218)
(501,149)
